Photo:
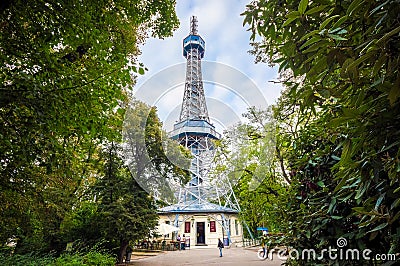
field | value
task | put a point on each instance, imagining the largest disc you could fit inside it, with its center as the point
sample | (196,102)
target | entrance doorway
(201,239)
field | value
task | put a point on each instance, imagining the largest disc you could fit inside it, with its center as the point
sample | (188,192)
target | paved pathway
(206,256)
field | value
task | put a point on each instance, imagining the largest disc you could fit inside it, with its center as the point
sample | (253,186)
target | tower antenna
(193,25)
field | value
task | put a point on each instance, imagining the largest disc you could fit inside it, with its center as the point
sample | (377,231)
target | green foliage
(115,209)
(30,259)
(92,258)
(126,212)
(81,224)
(65,67)
(246,155)
(338,118)
(153,157)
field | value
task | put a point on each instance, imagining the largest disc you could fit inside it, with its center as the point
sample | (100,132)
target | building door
(201,239)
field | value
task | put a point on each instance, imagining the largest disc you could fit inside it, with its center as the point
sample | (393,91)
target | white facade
(204,229)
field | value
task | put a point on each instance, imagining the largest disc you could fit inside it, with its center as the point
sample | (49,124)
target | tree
(339,62)
(126,190)
(119,205)
(156,162)
(65,66)
(127,212)
(246,155)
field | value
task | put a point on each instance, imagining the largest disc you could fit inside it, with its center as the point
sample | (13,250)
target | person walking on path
(178,239)
(264,244)
(183,242)
(220,246)
(128,254)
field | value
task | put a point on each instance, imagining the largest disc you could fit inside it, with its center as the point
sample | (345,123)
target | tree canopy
(66,69)
(246,154)
(338,116)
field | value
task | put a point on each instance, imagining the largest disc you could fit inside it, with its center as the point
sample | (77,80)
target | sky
(232,81)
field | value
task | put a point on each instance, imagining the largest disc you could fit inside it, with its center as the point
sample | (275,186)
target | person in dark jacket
(220,246)
(128,254)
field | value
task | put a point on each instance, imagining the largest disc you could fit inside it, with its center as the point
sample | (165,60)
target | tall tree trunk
(280,157)
(122,250)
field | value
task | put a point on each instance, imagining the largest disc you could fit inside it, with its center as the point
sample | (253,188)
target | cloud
(232,81)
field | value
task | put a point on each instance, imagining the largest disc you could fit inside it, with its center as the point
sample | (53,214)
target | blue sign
(262,229)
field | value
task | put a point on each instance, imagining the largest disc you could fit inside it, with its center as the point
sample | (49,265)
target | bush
(92,258)
(29,259)
(89,259)
(100,259)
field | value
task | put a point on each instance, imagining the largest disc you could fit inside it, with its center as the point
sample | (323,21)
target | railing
(201,130)
(273,239)
(251,242)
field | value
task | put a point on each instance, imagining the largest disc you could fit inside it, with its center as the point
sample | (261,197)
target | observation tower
(199,212)
(193,129)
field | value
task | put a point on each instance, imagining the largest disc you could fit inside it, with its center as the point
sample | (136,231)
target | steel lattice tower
(195,132)
(194,103)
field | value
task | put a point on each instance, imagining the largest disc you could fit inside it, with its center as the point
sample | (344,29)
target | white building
(203,223)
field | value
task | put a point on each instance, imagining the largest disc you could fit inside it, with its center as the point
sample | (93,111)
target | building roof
(196,207)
